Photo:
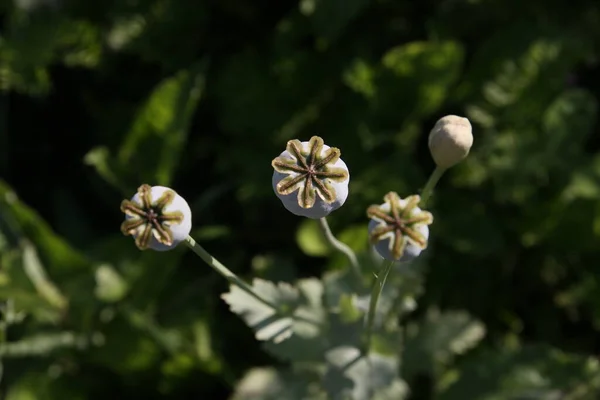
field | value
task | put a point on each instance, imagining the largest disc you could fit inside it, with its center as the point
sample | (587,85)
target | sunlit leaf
(110,286)
(352,375)
(101,160)
(294,330)
(160,129)
(39,278)
(42,386)
(272,384)
(29,303)
(42,344)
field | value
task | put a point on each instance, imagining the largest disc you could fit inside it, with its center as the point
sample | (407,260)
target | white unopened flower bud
(450,140)
(399,229)
(157,217)
(310,178)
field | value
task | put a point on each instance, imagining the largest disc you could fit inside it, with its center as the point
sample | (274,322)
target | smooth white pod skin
(411,251)
(320,209)
(180,230)
(450,140)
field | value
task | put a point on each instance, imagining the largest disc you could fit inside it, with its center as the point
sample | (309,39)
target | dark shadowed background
(99,97)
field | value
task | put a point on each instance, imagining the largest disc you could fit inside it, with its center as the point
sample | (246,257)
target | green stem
(430,185)
(226,272)
(341,247)
(375,294)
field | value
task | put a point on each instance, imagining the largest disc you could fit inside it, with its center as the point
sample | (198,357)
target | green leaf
(272,384)
(159,132)
(110,286)
(23,222)
(148,273)
(34,385)
(100,159)
(39,278)
(360,76)
(330,17)
(126,348)
(350,375)
(567,122)
(42,344)
(204,346)
(416,78)
(294,331)
(433,342)
(274,267)
(28,303)
(532,372)
(310,239)
(357,238)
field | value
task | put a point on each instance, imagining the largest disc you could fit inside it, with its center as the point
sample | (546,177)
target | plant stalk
(226,272)
(375,294)
(341,247)
(430,185)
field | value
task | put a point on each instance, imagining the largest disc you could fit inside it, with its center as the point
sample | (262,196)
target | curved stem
(430,185)
(225,272)
(340,246)
(375,294)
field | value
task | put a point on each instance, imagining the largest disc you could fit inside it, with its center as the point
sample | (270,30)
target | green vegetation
(100,97)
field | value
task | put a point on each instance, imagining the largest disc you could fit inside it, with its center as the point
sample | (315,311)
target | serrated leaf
(294,330)
(339,284)
(532,372)
(344,296)
(311,240)
(272,384)
(351,375)
(160,129)
(265,321)
(433,342)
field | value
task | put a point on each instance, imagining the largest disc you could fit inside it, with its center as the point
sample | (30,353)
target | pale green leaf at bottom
(271,384)
(433,342)
(351,375)
(530,372)
(293,333)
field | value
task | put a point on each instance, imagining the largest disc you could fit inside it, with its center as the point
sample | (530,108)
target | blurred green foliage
(98,97)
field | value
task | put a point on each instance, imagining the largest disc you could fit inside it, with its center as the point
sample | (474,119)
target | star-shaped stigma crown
(311,170)
(147,218)
(400,223)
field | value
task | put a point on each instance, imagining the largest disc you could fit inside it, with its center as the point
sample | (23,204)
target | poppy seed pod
(450,140)
(157,217)
(399,229)
(310,178)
